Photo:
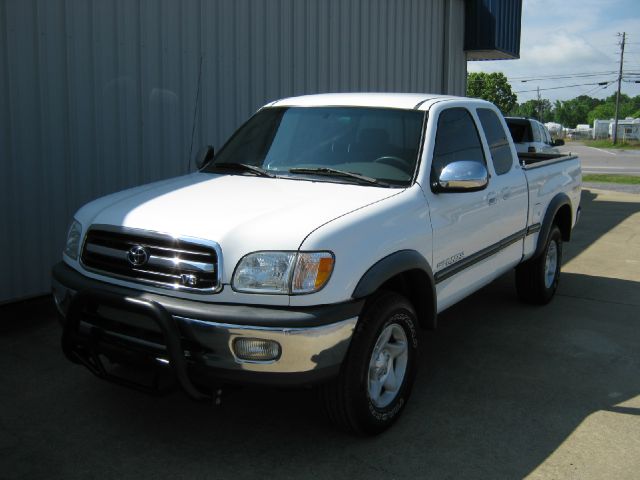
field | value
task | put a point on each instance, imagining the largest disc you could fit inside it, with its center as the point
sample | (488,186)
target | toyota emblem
(137,255)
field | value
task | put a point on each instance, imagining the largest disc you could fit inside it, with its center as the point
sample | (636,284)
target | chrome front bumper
(303,349)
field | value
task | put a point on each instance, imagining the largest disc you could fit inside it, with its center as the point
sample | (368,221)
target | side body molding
(559,201)
(417,272)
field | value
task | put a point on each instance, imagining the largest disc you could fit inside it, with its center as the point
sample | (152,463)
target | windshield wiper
(333,172)
(243,167)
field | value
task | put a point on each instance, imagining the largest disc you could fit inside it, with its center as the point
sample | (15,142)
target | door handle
(492,198)
(505,193)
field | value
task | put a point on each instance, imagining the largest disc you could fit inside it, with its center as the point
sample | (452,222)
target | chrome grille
(164,261)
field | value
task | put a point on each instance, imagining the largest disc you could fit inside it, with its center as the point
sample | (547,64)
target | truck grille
(153,258)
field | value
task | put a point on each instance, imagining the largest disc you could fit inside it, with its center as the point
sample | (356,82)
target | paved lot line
(604,151)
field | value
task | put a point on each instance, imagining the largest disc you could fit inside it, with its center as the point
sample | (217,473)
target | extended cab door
(507,182)
(469,227)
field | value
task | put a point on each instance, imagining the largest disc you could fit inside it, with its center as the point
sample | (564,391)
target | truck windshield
(324,143)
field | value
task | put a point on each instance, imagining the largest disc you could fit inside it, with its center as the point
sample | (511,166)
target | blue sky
(572,38)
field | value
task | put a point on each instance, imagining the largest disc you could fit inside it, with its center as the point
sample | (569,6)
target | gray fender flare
(559,201)
(395,264)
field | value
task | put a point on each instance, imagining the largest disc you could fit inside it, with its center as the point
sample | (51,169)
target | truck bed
(549,174)
(535,160)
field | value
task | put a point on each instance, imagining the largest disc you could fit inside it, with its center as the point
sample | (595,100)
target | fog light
(256,349)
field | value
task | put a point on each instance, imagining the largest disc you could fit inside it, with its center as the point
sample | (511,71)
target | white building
(555,129)
(582,131)
(628,129)
(601,128)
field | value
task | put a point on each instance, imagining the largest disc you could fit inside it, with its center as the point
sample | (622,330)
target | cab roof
(408,101)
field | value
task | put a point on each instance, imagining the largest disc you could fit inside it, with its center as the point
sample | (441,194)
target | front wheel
(378,373)
(537,279)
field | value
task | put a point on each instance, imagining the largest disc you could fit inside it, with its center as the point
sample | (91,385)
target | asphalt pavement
(605,160)
(504,390)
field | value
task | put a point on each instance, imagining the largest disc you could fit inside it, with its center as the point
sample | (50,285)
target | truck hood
(241,213)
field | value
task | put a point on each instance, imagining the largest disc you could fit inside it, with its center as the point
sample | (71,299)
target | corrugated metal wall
(97,96)
(493,29)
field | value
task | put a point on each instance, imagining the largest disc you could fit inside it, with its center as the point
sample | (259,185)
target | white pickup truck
(310,249)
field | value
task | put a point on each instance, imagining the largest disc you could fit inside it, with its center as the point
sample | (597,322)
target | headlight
(264,272)
(74,234)
(283,272)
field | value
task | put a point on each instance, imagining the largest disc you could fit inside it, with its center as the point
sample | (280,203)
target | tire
(537,279)
(377,375)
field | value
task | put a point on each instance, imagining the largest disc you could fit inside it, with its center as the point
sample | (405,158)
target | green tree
(604,111)
(539,109)
(607,109)
(572,112)
(493,87)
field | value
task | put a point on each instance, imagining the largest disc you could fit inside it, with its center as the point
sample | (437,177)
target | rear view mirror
(204,156)
(558,142)
(462,176)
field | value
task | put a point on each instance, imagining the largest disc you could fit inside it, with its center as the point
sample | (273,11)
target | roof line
(420,103)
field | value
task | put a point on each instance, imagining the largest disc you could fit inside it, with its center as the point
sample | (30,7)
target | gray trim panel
(477,257)
(237,314)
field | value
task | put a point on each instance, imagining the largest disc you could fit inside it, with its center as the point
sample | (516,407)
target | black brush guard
(86,349)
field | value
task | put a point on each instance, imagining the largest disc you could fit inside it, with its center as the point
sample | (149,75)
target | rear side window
(520,130)
(456,139)
(537,134)
(497,140)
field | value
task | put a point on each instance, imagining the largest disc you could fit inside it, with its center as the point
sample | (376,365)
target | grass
(631,144)
(605,178)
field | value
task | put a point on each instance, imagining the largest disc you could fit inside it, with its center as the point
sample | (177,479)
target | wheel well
(415,286)
(563,221)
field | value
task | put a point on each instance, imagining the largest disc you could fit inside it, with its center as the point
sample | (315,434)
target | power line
(566,86)
(603,87)
(567,75)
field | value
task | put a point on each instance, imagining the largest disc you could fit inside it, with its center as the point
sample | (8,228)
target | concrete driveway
(504,391)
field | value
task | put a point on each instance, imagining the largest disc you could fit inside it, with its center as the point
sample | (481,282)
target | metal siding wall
(493,26)
(97,96)
(456,78)
(6,153)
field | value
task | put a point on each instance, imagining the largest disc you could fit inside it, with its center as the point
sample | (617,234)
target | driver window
(456,139)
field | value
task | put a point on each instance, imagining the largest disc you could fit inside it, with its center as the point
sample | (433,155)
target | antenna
(195,112)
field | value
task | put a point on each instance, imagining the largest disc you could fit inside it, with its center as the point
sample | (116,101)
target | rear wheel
(378,373)
(537,279)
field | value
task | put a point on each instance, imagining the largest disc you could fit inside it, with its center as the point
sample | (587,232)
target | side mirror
(462,176)
(558,142)
(204,156)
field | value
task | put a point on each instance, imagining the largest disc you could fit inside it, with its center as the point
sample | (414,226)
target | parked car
(531,136)
(311,248)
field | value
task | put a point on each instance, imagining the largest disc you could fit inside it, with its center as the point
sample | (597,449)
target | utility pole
(615,123)
(539,106)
